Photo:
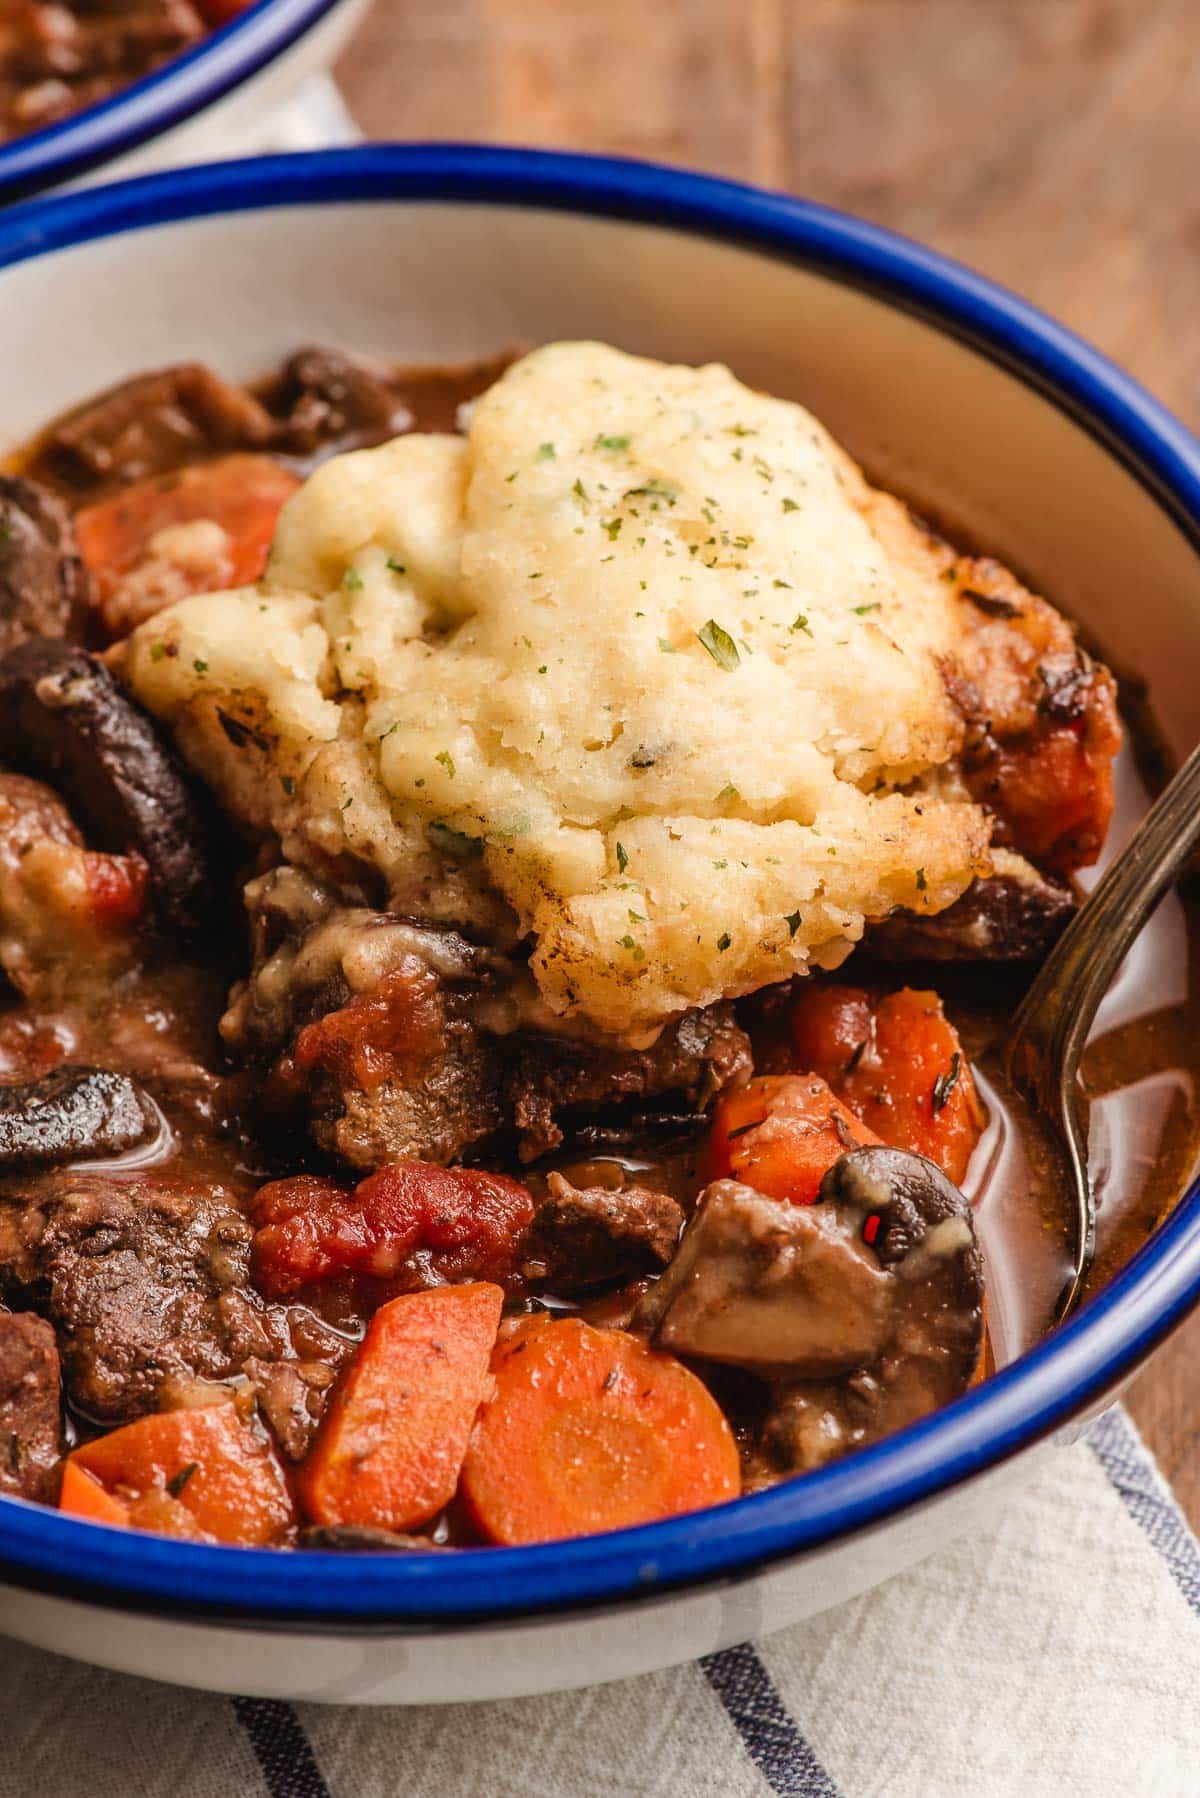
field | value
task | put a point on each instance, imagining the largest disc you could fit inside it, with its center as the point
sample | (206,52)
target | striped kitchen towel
(1056,1657)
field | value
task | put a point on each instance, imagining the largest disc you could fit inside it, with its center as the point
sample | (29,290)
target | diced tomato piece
(780,1135)
(117,886)
(896,1061)
(407,1226)
(378,1032)
(201,1475)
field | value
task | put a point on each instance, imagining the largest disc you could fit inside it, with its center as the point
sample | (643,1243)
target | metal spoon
(1052,1023)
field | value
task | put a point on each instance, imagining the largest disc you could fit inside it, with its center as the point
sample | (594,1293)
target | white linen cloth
(1056,1657)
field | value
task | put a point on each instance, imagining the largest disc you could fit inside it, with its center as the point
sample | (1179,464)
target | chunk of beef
(62,716)
(364,1019)
(551,1083)
(865,1308)
(154,423)
(146,1280)
(326,400)
(586,1238)
(1041,721)
(1013,914)
(401,1040)
(43,583)
(30,1412)
(291,1396)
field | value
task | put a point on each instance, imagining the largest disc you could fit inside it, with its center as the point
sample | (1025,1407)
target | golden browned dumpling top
(640,667)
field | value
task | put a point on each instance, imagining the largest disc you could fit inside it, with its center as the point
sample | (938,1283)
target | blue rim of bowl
(181,88)
(1068,1374)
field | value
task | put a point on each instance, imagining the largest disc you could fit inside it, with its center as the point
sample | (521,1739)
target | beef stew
(339,1233)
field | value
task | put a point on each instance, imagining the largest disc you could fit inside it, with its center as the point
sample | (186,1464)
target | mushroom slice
(360,1538)
(64,719)
(43,583)
(73,1114)
(884,1263)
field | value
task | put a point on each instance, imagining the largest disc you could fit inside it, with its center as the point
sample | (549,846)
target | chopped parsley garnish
(800,623)
(790,505)
(728,792)
(723,942)
(157,651)
(653,490)
(200,666)
(447,760)
(613,527)
(779,583)
(396,567)
(634,947)
(622,859)
(720,645)
(873,607)
(793,922)
(352,580)
(612,443)
(667,647)
(578,489)
(546,452)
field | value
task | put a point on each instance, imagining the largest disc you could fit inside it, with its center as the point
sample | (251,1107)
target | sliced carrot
(392,1441)
(200,1474)
(780,1134)
(242,493)
(83,1496)
(896,1061)
(590,1430)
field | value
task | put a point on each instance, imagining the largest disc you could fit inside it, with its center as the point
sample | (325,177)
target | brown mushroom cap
(64,719)
(864,1310)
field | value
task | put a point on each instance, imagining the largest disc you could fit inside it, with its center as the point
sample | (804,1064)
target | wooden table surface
(1050,143)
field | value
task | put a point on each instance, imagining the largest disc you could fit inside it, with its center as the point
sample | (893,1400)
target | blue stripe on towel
(770,1735)
(282,1749)
(1119,1450)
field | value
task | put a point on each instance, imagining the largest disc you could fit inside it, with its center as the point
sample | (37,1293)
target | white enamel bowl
(221,99)
(969,401)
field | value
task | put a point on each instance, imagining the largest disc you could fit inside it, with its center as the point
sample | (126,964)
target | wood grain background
(1053,144)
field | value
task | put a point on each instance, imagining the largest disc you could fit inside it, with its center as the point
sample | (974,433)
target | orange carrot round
(590,1430)
(200,1474)
(393,1437)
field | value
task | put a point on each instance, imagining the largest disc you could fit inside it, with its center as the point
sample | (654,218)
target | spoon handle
(1051,1026)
